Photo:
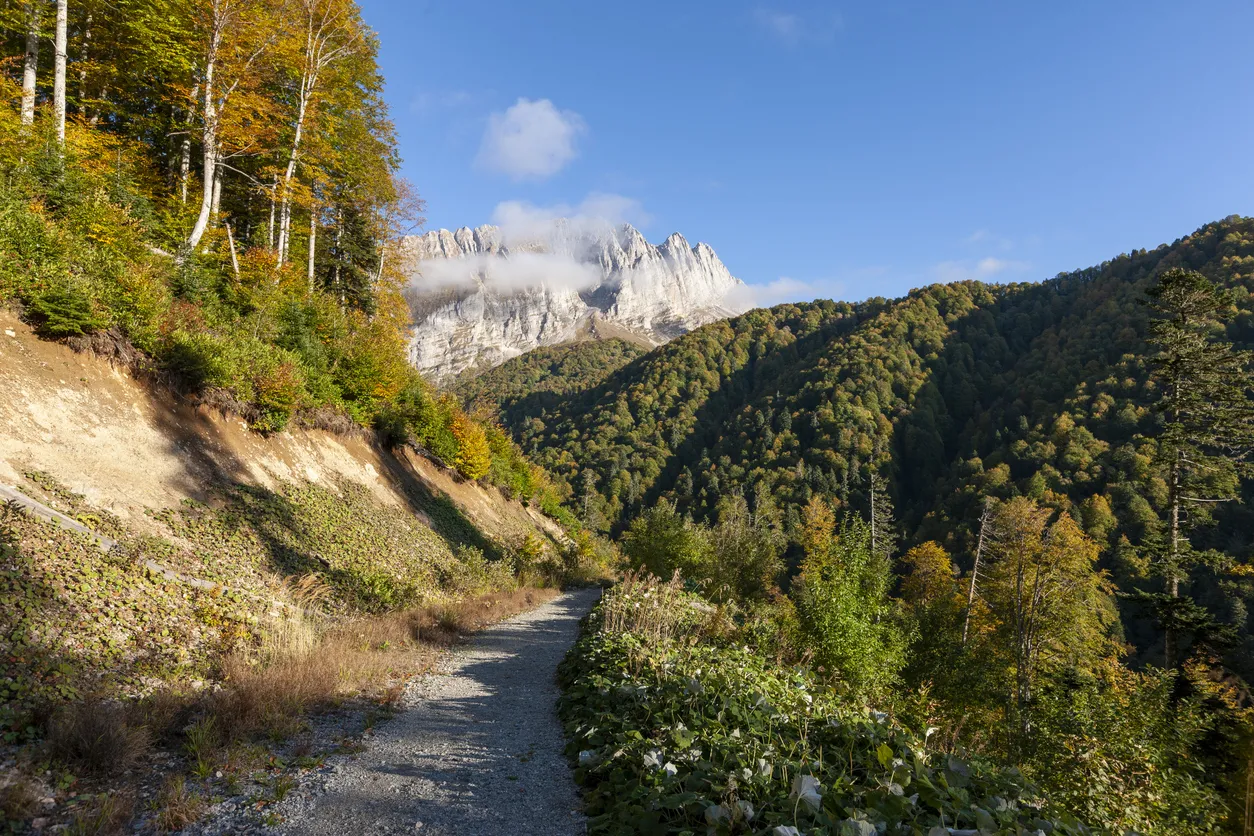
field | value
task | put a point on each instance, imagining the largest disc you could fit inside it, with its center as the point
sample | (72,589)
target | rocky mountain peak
(480,296)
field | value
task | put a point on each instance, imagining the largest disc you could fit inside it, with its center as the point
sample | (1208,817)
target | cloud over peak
(523,221)
(531,140)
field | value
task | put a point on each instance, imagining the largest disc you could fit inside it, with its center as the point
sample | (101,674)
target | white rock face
(477,302)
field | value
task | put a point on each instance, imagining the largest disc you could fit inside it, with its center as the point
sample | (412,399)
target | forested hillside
(206,192)
(863,457)
(542,379)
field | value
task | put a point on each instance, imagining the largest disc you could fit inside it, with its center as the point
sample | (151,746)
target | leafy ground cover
(676,727)
(129,696)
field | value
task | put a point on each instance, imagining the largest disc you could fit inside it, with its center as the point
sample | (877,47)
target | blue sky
(839,150)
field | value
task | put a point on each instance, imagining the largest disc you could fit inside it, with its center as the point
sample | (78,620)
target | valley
(312,521)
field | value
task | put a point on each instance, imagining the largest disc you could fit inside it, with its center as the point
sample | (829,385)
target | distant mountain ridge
(479,297)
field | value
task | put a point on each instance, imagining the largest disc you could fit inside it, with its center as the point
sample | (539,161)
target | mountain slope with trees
(1024,501)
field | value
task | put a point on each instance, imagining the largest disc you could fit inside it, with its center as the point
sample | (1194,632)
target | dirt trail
(478,749)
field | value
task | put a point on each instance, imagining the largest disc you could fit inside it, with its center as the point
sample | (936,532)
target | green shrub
(200,359)
(703,736)
(1121,751)
(846,617)
(63,308)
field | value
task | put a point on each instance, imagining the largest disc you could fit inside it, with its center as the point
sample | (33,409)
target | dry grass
(18,799)
(305,666)
(644,605)
(177,806)
(98,737)
(110,813)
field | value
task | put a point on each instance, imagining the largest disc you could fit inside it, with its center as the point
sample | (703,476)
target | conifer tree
(1206,430)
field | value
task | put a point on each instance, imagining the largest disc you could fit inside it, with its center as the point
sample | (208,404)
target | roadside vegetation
(678,725)
(144,682)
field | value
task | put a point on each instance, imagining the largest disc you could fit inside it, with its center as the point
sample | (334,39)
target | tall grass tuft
(646,606)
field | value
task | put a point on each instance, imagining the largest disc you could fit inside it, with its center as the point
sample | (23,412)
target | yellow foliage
(931,578)
(474,455)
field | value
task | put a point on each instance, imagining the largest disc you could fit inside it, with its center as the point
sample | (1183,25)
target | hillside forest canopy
(1021,510)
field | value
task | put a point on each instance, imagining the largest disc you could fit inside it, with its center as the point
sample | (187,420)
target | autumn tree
(233,36)
(474,456)
(326,32)
(744,562)
(1050,603)
(934,602)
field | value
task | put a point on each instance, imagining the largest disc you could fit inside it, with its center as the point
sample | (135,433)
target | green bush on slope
(701,734)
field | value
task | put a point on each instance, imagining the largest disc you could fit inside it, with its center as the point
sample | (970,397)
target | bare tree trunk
(217,191)
(82,73)
(270,232)
(285,209)
(873,532)
(329,36)
(209,139)
(31,67)
(975,570)
(230,240)
(313,245)
(185,167)
(185,151)
(58,78)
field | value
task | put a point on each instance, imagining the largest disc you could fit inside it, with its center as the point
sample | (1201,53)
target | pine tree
(1206,432)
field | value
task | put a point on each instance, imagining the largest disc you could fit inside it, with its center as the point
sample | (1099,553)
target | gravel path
(476,752)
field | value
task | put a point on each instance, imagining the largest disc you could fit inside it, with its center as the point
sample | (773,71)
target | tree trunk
(58,78)
(975,570)
(339,236)
(230,240)
(185,151)
(82,73)
(313,245)
(217,191)
(270,230)
(31,67)
(873,551)
(285,210)
(209,140)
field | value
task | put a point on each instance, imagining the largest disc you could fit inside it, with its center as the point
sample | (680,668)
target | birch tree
(59,68)
(30,66)
(235,35)
(329,33)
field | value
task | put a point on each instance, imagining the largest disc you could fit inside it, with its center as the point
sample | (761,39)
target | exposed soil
(129,446)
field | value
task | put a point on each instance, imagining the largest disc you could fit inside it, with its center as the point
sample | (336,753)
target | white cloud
(984,269)
(793,28)
(523,221)
(506,275)
(783,289)
(531,140)
(525,228)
